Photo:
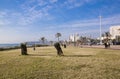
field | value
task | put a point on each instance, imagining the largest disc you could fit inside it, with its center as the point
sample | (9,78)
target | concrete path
(116,47)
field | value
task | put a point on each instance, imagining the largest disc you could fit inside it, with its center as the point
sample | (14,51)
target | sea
(8,45)
(28,43)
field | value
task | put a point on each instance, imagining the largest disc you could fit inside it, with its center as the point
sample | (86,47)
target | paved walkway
(116,47)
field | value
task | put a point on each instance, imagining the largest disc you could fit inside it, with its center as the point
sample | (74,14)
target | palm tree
(58,35)
(43,39)
(107,34)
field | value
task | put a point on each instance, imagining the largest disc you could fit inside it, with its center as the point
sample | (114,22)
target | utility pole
(100,30)
(74,40)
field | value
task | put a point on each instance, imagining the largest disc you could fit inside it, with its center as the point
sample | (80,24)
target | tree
(58,35)
(107,40)
(83,39)
(43,39)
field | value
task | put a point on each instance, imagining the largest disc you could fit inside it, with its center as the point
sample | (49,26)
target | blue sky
(29,20)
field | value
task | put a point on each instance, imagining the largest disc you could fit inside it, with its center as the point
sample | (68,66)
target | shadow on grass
(61,56)
(40,55)
(77,55)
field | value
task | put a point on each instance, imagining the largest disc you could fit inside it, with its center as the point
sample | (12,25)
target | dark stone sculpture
(23,49)
(58,48)
(64,45)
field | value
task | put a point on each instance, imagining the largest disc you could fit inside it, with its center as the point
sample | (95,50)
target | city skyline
(29,20)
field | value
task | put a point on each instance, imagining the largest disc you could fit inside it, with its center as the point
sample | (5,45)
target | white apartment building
(115,31)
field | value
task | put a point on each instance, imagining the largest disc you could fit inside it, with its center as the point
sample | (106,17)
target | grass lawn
(78,63)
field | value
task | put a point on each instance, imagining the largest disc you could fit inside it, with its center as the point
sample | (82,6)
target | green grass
(78,63)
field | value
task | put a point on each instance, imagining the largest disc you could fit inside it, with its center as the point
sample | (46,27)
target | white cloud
(36,10)
(86,27)
(53,1)
(2,14)
(75,3)
(3,18)
(41,2)
(32,11)
(111,20)
(4,22)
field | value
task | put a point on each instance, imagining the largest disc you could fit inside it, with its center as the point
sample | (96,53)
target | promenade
(115,47)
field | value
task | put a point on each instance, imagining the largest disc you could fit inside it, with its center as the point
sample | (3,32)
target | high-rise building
(74,37)
(115,31)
